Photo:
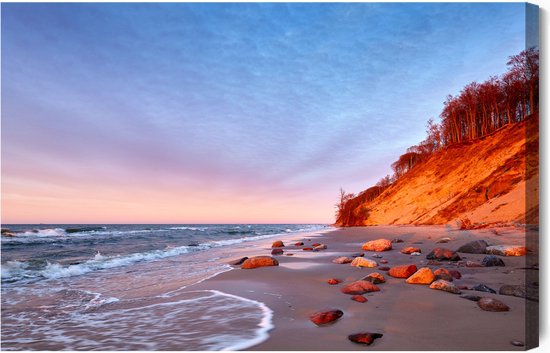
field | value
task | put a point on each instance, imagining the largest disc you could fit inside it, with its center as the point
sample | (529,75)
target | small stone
(506,250)
(422,276)
(471,297)
(342,260)
(491,304)
(358,254)
(377,256)
(445,286)
(384,268)
(277,244)
(473,264)
(259,261)
(359,287)
(375,278)
(517,343)
(383,261)
(239,261)
(443,240)
(333,281)
(455,274)
(513,290)
(377,245)
(474,247)
(289,254)
(307,249)
(402,271)
(483,288)
(359,298)
(441,254)
(433,263)
(277,251)
(492,260)
(410,249)
(319,247)
(326,317)
(315,244)
(442,273)
(300,243)
(364,337)
(397,240)
(362,262)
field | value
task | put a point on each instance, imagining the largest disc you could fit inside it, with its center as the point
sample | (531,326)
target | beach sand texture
(410,316)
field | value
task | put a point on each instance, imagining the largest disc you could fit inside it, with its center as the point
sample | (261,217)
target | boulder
(359,298)
(491,304)
(374,278)
(446,286)
(483,288)
(402,271)
(333,281)
(239,261)
(277,244)
(441,254)
(259,261)
(506,250)
(359,287)
(326,317)
(342,260)
(277,251)
(362,262)
(442,273)
(364,337)
(410,249)
(422,276)
(492,260)
(474,247)
(377,245)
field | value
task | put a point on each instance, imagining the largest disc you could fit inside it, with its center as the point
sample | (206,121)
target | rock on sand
(259,261)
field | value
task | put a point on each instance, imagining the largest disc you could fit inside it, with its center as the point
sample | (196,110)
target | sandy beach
(410,316)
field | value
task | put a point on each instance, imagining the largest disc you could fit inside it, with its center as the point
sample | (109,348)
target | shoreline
(411,317)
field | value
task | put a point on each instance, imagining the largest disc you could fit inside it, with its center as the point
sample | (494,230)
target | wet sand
(411,317)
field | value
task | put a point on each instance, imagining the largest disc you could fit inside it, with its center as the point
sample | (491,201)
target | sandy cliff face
(488,181)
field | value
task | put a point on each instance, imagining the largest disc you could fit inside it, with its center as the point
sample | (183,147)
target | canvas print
(269,176)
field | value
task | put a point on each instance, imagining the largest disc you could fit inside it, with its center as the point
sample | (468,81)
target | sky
(226,113)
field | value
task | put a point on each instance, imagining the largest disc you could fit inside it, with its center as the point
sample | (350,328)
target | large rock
(422,276)
(364,337)
(359,287)
(277,244)
(410,249)
(259,261)
(506,250)
(377,245)
(492,260)
(440,254)
(326,317)
(342,260)
(402,271)
(444,274)
(375,278)
(362,262)
(474,247)
(445,286)
(491,304)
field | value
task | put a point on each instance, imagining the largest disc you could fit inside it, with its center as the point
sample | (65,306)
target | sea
(130,287)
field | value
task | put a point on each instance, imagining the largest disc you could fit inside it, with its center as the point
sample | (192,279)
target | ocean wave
(200,229)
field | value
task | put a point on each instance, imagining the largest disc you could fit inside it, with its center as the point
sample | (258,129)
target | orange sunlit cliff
(478,168)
